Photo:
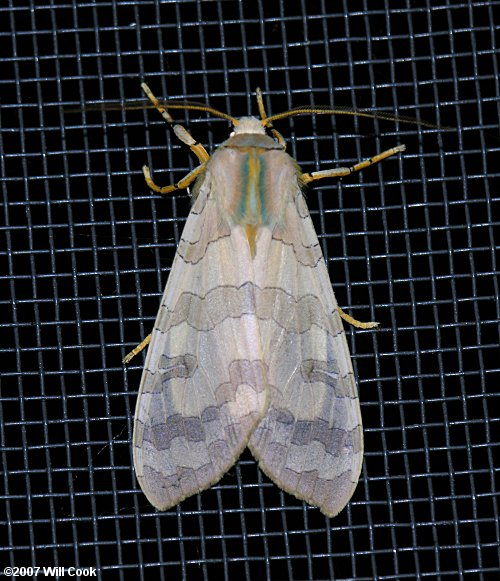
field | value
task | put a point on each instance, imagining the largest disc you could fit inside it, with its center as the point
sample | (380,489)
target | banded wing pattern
(204,386)
(310,442)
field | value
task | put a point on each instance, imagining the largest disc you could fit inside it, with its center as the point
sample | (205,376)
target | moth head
(249,125)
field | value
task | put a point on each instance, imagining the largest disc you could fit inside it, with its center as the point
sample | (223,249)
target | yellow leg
(183,183)
(355,323)
(200,152)
(137,349)
(181,133)
(262,112)
(184,136)
(345,171)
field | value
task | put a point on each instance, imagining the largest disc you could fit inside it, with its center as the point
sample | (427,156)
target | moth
(248,348)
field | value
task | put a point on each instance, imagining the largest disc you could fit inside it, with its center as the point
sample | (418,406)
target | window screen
(86,249)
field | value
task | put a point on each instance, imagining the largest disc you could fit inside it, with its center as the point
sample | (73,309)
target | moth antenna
(347,111)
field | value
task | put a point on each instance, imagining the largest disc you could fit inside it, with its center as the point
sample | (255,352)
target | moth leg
(262,112)
(279,138)
(341,172)
(182,184)
(137,349)
(345,171)
(181,133)
(355,323)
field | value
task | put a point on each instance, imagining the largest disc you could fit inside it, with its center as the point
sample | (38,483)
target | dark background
(86,249)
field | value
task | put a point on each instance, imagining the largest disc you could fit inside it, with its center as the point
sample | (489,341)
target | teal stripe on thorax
(252,206)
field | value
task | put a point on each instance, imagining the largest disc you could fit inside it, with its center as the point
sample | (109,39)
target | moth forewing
(203,388)
(310,442)
(248,346)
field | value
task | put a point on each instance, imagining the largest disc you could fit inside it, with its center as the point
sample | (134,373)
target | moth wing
(203,389)
(310,442)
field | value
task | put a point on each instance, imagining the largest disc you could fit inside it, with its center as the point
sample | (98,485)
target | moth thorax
(249,125)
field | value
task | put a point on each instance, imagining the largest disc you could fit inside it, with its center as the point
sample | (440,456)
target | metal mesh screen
(412,243)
